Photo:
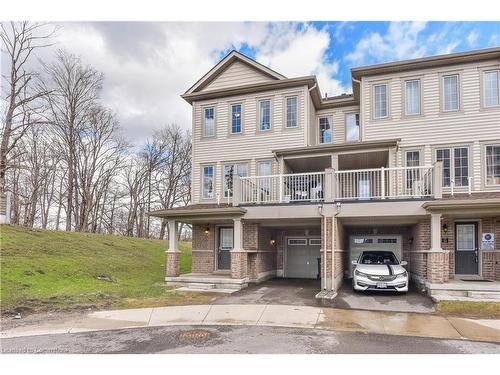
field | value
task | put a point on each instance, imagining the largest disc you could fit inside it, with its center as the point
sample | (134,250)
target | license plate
(382,285)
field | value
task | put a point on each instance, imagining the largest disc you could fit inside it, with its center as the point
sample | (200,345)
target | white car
(379,270)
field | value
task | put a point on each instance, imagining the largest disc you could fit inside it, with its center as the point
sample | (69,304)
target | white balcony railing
(384,183)
(358,184)
(284,188)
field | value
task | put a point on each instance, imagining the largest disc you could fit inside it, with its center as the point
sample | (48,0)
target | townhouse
(289,183)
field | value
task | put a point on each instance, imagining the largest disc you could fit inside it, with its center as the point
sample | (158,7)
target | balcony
(343,185)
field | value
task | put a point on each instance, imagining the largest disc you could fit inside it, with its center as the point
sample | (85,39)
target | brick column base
(239,264)
(438,267)
(173,263)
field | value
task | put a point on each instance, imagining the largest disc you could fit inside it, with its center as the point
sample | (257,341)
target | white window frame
(236,167)
(419,97)
(259,119)
(296,97)
(330,122)
(203,130)
(357,119)
(203,196)
(443,95)
(374,101)
(497,71)
(486,164)
(452,163)
(315,241)
(294,241)
(231,105)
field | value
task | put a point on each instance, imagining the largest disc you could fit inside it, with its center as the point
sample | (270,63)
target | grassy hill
(45,270)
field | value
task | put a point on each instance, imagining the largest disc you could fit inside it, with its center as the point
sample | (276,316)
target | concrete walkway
(401,324)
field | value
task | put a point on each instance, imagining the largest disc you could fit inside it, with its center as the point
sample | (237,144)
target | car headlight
(402,275)
(359,273)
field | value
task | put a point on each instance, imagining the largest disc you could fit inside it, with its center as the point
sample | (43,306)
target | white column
(238,235)
(436,232)
(172,236)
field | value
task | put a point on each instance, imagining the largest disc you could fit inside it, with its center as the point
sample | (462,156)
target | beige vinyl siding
(469,126)
(338,126)
(252,145)
(237,74)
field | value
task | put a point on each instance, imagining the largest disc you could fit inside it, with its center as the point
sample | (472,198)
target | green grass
(45,270)
(470,308)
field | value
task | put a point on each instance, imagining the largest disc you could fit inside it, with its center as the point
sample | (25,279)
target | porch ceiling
(309,164)
(363,160)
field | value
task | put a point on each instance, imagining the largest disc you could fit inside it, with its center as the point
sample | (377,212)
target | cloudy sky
(147,65)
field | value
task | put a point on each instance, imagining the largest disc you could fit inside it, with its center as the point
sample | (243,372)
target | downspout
(323,241)
(333,246)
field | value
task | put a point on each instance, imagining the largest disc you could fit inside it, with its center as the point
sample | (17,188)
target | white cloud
(298,51)
(472,38)
(147,65)
(398,43)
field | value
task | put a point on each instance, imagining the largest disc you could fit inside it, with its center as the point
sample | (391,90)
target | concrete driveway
(302,292)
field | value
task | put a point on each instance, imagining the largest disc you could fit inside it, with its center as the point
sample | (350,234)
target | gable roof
(224,63)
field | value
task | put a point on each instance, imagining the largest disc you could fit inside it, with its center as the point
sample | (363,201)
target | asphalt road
(237,339)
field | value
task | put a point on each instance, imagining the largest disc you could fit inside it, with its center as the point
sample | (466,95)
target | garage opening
(302,257)
(360,243)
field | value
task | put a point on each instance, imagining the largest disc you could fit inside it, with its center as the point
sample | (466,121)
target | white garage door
(301,257)
(360,243)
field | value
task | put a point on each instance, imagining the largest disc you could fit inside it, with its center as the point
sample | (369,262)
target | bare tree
(74,90)
(19,41)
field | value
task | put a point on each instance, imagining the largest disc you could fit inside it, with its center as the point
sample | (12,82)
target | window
(380,101)
(450,93)
(325,130)
(291,112)
(444,156)
(412,174)
(208,182)
(265,114)
(297,241)
(412,97)
(315,241)
(235,118)
(229,170)
(352,127)
(459,158)
(491,85)
(209,122)
(493,165)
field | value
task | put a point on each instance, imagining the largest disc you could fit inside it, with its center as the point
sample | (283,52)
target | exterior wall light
(445,228)
(207,229)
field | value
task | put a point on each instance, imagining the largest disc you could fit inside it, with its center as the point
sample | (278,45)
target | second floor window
(412,97)
(325,130)
(459,159)
(209,122)
(491,90)
(450,93)
(380,103)
(208,182)
(352,127)
(265,115)
(493,165)
(230,170)
(235,118)
(291,112)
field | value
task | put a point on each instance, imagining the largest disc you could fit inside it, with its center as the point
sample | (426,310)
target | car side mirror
(404,263)
(354,262)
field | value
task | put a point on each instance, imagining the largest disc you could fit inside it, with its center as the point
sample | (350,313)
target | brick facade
(239,264)
(203,249)
(173,263)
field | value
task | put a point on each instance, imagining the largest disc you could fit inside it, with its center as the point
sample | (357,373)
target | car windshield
(379,257)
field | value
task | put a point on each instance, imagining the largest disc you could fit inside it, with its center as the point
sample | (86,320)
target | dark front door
(224,248)
(466,249)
